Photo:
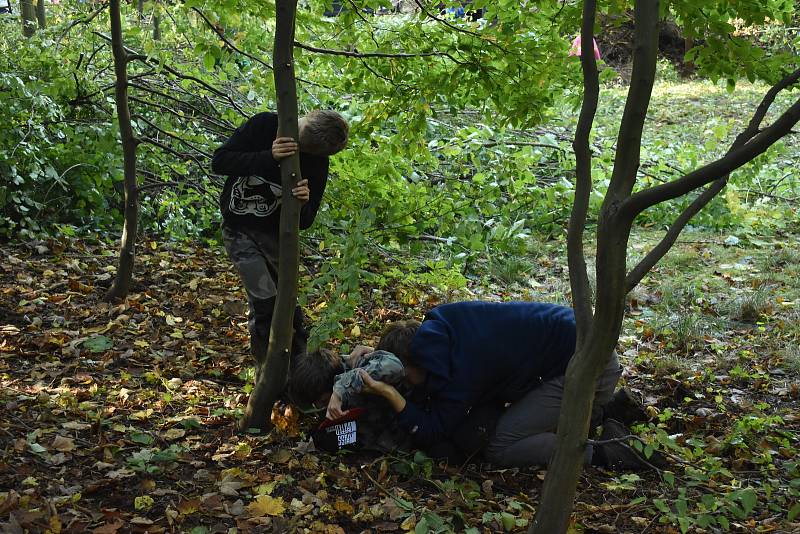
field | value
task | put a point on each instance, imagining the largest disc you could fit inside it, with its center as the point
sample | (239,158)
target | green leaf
(794,512)
(508,520)
(142,437)
(661,506)
(749,499)
(97,344)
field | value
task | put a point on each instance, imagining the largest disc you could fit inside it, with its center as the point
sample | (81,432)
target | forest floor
(122,418)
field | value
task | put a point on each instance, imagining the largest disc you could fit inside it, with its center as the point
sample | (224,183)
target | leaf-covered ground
(121,418)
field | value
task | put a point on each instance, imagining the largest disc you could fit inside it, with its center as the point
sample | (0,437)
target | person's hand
(283,147)
(334,407)
(372,386)
(301,191)
(387,391)
(357,353)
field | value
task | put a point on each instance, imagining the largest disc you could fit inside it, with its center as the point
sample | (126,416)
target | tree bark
(597,336)
(122,281)
(41,14)
(579,278)
(28,15)
(271,377)
(157,27)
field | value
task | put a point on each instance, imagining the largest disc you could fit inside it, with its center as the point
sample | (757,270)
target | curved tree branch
(579,278)
(715,170)
(656,253)
(348,53)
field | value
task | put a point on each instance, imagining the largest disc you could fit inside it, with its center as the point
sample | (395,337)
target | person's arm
(249,150)
(382,366)
(425,426)
(317,185)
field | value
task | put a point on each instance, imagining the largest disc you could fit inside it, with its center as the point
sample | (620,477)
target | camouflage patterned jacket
(378,428)
(380,365)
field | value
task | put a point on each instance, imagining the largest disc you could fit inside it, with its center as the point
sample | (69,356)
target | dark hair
(325,132)
(396,338)
(312,375)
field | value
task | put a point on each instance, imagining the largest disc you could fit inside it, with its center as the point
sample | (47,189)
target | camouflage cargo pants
(255,255)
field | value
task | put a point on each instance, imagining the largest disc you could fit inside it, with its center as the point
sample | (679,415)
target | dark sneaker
(620,454)
(625,407)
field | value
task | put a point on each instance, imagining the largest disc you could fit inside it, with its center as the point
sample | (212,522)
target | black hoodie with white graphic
(251,196)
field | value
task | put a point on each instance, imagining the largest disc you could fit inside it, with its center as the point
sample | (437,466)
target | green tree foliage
(457,125)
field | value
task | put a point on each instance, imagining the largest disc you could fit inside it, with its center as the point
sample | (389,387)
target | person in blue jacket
(467,356)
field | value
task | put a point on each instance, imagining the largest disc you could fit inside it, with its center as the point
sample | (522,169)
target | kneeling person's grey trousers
(525,433)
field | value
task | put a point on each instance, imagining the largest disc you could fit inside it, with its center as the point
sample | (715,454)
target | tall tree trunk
(41,15)
(157,25)
(127,252)
(598,332)
(273,372)
(140,9)
(28,14)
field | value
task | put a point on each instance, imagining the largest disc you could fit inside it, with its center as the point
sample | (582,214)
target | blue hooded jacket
(482,352)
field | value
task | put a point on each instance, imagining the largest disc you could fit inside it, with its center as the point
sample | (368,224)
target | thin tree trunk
(140,9)
(157,26)
(273,372)
(41,15)
(28,14)
(122,281)
(598,338)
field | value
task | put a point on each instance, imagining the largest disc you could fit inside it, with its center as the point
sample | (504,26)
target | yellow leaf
(409,523)
(266,489)
(355,331)
(144,502)
(266,505)
(174,433)
(60,443)
(243,450)
(141,415)
(55,524)
(341,506)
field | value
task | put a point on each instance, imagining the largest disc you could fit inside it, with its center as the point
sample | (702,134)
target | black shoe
(620,454)
(624,407)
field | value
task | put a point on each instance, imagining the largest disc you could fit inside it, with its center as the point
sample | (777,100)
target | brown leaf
(63,444)
(109,528)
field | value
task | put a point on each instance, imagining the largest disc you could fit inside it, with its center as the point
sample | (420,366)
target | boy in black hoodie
(251,200)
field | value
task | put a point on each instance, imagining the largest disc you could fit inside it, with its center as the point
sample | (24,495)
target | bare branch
(221,35)
(579,278)
(133,56)
(348,53)
(179,155)
(173,136)
(715,170)
(656,253)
